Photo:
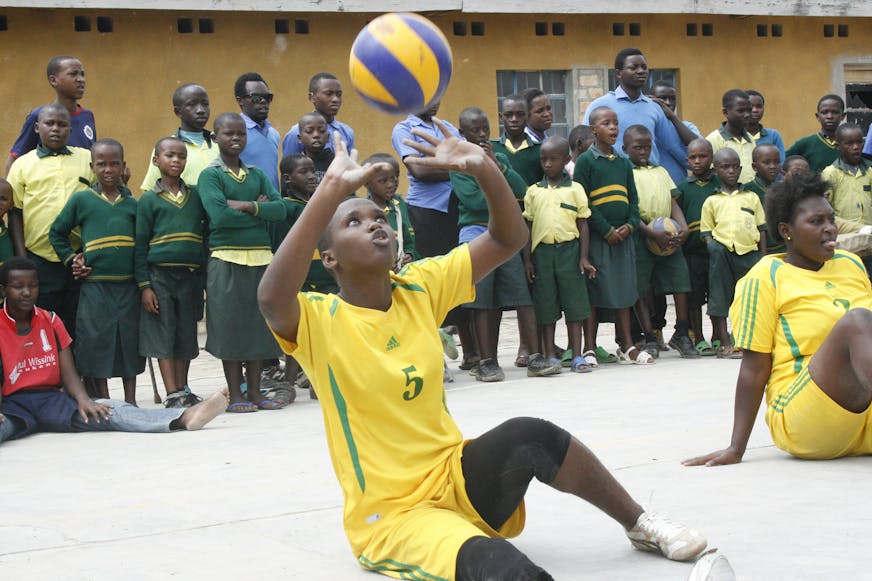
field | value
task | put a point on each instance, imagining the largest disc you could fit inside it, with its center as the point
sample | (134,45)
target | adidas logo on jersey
(392,344)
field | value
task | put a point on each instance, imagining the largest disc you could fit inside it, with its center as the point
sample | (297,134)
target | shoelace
(660,525)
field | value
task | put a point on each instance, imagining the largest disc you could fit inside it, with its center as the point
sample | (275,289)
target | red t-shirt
(32,361)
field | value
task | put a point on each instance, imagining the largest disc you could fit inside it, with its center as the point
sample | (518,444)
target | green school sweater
(318,276)
(759,188)
(108,230)
(611,190)
(7,251)
(168,232)
(691,194)
(472,203)
(818,149)
(231,229)
(524,161)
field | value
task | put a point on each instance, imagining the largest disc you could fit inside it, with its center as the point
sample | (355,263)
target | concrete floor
(254,496)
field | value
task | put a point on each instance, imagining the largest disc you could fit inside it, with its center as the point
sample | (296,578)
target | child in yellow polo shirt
(732,220)
(556,211)
(851,196)
(662,274)
(733,133)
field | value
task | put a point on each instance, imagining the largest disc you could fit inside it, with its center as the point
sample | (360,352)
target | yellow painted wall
(133,71)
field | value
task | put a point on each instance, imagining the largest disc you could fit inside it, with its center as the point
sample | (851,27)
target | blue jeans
(123,418)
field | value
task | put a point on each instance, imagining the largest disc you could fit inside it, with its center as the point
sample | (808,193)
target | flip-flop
(706,349)
(241,407)
(522,361)
(603,356)
(269,404)
(579,365)
(449,347)
(566,359)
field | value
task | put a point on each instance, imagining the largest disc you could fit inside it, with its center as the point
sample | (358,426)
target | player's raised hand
(450,153)
(345,172)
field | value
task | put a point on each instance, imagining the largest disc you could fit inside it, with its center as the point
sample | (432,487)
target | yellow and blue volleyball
(662,225)
(400,63)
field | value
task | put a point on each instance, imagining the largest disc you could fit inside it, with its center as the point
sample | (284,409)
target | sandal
(590,357)
(642,357)
(468,364)
(241,407)
(566,359)
(579,365)
(706,349)
(269,404)
(729,352)
(603,356)
(522,361)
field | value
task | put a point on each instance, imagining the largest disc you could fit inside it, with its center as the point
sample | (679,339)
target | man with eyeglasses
(262,148)
(633,107)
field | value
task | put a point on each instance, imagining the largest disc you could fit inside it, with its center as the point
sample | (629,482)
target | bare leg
(681,312)
(842,366)
(719,330)
(101,387)
(253,371)
(129,384)
(169,375)
(695,316)
(482,326)
(233,376)
(583,475)
(527,329)
(548,339)
(622,327)
(590,327)
(184,366)
(197,416)
(573,329)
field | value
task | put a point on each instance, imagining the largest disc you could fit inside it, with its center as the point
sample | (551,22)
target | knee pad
(486,559)
(542,444)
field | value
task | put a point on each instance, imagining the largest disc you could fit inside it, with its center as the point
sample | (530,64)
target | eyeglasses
(258,98)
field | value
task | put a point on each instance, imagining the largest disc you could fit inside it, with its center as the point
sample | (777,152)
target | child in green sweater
(107,320)
(614,204)
(239,200)
(383,191)
(168,256)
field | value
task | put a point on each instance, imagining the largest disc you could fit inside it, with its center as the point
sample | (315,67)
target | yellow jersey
(378,376)
(789,311)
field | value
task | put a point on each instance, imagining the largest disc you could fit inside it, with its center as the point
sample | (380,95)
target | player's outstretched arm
(287,272)
(507,232)
(753,375)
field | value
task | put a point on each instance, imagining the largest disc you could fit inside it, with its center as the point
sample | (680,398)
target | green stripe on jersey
(794,348)
(405,570)
(342,410)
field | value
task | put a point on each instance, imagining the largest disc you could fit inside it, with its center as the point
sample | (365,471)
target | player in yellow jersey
(420,502)
(803,322)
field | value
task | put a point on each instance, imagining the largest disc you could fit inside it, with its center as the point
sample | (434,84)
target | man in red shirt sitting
(41,389)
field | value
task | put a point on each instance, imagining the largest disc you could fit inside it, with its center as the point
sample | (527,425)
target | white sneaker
(658,534)
(712,566)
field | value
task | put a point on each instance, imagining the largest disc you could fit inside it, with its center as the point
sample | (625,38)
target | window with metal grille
(555,84)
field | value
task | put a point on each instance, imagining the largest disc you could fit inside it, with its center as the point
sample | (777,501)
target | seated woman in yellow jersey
(420,502)
(803,322)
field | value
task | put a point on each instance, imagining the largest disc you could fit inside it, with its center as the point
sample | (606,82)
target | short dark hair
(580,132)
(515,98)
(57,107)
(226,118)
(312,115)
(160,142)
(16,263)
(635,130)
(753,93)
(784,196)
(239,86)
(844,128)
(792,158)
(594,115)
(530,95)
(471,113)
(556,142)
(662,83)
(290,162)
(179,93)
(382,158)
(56,62)
(623,54)
(732,96)
(108,142)
(831,97)
(758,150)
(317,78)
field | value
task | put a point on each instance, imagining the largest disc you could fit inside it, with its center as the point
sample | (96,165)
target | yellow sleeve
(707,220)
(528,204)
(152,174)
(312,306)
(16,180)
(753,312)
(581,201)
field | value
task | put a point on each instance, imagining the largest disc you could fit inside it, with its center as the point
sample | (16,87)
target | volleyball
(662,225)
(400,63)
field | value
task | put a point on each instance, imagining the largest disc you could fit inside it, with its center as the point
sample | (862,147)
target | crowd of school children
(131,275)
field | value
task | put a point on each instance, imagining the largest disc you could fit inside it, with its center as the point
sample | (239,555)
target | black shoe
(684,346)
(192,399)
(489,371)
(176,399)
